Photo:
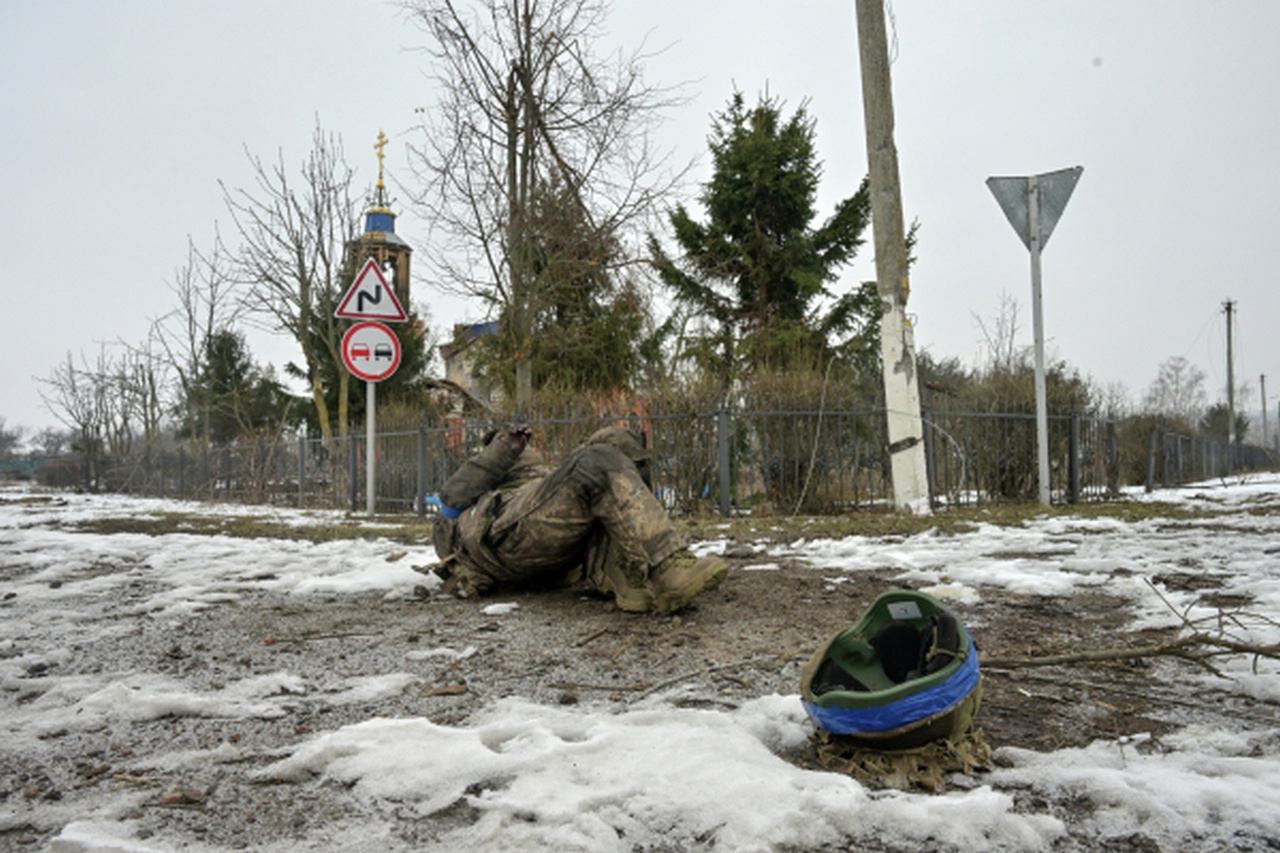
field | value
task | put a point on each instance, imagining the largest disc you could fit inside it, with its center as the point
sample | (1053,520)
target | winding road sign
(369,298)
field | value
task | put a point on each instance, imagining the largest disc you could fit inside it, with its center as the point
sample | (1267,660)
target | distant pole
(1230,307)
(901,389)
(1265,432)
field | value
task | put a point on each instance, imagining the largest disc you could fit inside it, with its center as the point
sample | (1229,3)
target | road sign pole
(370,456)
(1037,321)
(1033,206)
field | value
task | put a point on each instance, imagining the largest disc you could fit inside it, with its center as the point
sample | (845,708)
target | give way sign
(371,351)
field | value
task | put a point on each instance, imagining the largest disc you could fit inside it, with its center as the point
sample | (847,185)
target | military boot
(682,577)
(465,582)
(626,587)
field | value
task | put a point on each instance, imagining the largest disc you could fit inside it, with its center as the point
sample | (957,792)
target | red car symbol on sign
(370,351)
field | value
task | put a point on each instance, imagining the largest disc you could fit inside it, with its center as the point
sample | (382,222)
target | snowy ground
(323,750)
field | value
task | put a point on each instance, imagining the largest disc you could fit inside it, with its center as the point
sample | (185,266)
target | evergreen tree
(758,269)
(1213,424)
(590,321)
(232,396)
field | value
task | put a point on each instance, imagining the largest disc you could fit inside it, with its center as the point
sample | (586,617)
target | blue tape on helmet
(906,710)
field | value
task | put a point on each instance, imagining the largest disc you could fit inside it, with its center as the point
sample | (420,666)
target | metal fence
(771,461)
(1175,458)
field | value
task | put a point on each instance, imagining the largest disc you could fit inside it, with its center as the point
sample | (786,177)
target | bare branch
(290,267)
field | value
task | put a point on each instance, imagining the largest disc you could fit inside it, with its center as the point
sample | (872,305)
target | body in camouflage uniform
(505,520)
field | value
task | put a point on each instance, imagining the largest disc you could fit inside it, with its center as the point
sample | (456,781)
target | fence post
(1151,462)
(930,472)
(355,471)
(1073,460)
(1113,460)
(226,472)
(420,500)
(302,470)
(722,450)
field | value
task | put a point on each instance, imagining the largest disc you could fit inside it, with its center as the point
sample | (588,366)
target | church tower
(380,240)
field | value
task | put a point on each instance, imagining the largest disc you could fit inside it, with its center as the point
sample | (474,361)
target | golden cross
(379,145)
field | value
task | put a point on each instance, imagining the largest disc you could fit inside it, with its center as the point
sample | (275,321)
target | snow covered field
(522,775)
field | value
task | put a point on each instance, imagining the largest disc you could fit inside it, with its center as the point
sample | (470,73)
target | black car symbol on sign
(381,351)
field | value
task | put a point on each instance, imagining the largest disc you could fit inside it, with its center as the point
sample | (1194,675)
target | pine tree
(758,269)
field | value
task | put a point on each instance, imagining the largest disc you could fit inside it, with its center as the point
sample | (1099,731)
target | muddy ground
(745,639)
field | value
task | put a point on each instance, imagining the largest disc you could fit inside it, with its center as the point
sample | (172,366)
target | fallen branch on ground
(1203,640)
(1198,648)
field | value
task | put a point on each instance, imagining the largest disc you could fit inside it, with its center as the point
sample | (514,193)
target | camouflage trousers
(594,513)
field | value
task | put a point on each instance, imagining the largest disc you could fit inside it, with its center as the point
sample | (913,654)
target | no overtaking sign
(371,351)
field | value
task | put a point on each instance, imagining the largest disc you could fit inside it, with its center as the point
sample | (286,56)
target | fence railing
(819,461)
(1175,458)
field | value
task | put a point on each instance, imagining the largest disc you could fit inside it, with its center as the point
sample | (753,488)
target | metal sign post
(1033,206)
(1037,325)
(370,446)
(370,351)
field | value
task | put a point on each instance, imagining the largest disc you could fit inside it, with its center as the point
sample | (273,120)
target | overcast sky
(118,119)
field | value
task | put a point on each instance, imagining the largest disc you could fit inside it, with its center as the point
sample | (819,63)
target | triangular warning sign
(369,298)
(1053,190)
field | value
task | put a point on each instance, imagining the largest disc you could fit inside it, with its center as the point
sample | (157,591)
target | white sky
(118,119)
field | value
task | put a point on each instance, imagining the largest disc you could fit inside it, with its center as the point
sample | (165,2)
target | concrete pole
(1262,380)
(897,351)
(1230,307)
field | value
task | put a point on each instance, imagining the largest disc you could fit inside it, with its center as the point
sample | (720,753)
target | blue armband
(449,512)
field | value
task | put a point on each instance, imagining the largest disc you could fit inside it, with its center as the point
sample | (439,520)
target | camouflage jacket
(470,501)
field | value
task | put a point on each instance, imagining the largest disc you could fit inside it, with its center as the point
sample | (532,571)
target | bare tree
(133,401)
(1178,391)
(75,396)
(51,442)
(10,439)
(110,403)
(291,262)
(1003,353)
(206,305)
(527,107)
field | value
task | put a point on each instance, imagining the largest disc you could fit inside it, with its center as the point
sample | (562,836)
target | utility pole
(897,349)
(1262,380)
(1230,307)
